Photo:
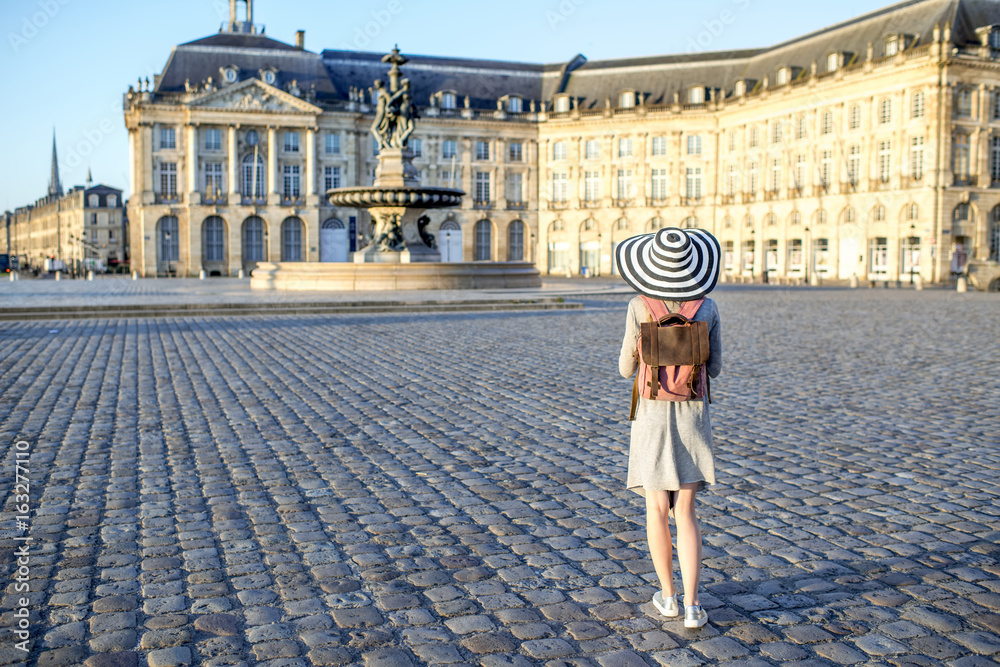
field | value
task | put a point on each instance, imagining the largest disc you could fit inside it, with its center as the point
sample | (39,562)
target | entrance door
(848,258)
(333,241)
(450,244)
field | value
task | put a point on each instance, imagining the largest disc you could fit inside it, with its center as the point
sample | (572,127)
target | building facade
(870,149)
(85,228)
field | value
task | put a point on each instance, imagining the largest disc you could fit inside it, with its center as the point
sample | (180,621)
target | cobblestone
(374,490)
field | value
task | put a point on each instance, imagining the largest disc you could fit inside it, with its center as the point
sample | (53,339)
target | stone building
(870,148)
(85,227)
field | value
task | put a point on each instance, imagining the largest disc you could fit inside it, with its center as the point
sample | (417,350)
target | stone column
(194,196)
(147,163)
(273,198)
(311,198)
(233,186)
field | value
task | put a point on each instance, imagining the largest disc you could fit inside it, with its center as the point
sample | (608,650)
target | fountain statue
(398,250)
(396,201)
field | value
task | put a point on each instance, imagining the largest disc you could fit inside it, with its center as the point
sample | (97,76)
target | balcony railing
(622,202)
(728,199)
(215,199)
(590,203)
(482,204)
(821,189)
(656,202)
(516,205)
(692,201)
(247,200)
(170,198)
(292,200)
(558,204)
(770,195)
(749,197)
(795,192)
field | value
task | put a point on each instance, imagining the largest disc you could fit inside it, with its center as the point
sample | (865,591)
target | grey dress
(671,441)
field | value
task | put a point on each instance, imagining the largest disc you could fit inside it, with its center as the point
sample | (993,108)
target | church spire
(55,186)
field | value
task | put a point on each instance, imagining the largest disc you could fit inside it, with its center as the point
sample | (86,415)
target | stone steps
(314,308)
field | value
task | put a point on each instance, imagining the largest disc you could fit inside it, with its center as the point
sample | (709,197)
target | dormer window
(740,89)
(112,201)
(833,62)
(626,100)
(784,74)
(696,95)
(515,105)
(562,104)
(993,39)
(230,74)
(93,201)
(269,76)
(449,100)
(892,45)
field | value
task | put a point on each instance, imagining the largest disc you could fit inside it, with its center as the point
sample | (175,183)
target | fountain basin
(345,276)
(411,197)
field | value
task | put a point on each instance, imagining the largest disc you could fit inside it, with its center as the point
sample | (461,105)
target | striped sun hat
(671,264)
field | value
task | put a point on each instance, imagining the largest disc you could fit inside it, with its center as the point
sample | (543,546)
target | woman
(670,454)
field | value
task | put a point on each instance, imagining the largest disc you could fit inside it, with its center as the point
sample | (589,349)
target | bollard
(201,274)
(854,281)
(918,283)
(58,275)
(135,275)
(963,285)
(13,276)
(241,275)
(90,275)
(814,280)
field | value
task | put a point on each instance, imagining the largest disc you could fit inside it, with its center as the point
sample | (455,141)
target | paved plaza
(411,489)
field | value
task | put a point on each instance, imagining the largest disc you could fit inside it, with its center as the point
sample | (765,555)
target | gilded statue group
(394,115)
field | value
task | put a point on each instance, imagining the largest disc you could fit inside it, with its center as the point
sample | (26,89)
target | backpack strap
(635,396)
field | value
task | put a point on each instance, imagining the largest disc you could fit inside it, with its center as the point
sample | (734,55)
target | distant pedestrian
(670,454)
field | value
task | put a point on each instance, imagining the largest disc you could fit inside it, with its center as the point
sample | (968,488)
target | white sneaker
(666,606)
(695,616)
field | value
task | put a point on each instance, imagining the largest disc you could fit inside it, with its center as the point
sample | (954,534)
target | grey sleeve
(714,343)
(626,361)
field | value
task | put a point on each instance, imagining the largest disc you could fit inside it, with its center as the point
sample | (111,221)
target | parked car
(5,263)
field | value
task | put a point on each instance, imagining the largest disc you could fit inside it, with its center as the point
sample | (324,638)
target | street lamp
(909,258)
(808,257)
(600,252)
(753,245)
(166,238)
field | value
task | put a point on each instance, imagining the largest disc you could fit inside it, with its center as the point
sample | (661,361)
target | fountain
(399,252)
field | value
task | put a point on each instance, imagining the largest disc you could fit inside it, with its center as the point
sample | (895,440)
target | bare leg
(658,538)
(688,542)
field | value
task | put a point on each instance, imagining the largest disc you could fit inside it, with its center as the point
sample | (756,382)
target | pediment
(254,95)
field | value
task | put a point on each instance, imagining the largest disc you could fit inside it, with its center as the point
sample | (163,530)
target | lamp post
(909,250)
(753,244)
(532,248)
(808,257)
(600,252)
(166,238)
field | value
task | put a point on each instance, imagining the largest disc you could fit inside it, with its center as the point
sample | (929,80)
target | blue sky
(66,63)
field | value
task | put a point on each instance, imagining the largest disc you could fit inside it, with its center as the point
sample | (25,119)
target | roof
(334,72)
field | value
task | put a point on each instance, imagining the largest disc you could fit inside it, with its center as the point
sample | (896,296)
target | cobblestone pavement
(447,489)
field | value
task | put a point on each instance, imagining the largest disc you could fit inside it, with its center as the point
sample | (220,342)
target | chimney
(232,15)
(300,39)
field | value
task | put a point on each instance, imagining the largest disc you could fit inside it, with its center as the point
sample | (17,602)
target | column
(311,198)
(273,198)
(147,163)
(232,186)
(194,197)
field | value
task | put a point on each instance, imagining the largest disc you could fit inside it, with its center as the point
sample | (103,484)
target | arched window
(515,105)
(588,225)
(558,226)
(515,241)
(690,222)
(622,224)
(770,220)
(878,213)
(112,201)
(449,100)
(333,223)
(656,223)
(912,212)
(796,218)
(748,221)
(253,177)
(93,201)
(484,241)
(253,239)
(169,245)
(849,215)
(291,240)
(213,235)
(821,217)
(727,222)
